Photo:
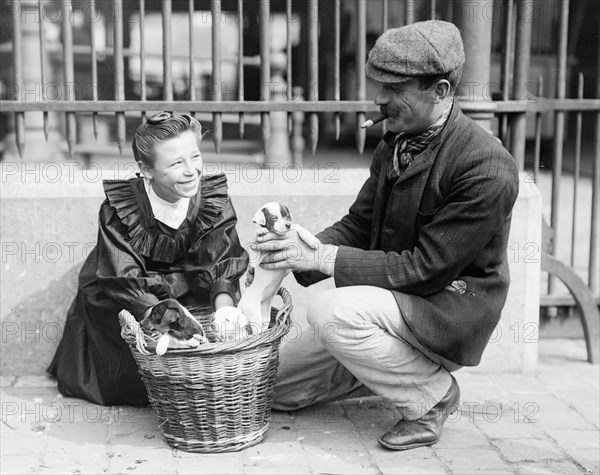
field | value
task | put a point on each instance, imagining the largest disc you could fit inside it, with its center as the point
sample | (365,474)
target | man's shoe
(428,429)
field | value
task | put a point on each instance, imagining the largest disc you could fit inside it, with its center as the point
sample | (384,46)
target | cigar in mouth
(371,122)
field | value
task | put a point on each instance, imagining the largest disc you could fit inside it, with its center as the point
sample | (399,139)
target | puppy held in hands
(255,303)
(177,325)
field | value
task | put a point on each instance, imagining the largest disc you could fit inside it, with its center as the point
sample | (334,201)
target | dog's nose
(288,225)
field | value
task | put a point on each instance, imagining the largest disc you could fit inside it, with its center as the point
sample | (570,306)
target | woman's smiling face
(177,167)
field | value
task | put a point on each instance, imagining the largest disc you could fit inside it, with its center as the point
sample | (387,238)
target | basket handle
(130,330)
(286,309)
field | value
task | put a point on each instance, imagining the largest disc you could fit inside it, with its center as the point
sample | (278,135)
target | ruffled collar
(144,232)
(172,214)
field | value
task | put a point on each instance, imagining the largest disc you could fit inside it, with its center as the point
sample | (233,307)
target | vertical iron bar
(69,72)
(559,128)
(297,140)
(94,65)
(42,63)
(594,237)
(167,51)
(361,55)
(143,54)
(518,124)
(477,39)
(313,69)
(241,63)
(385,21)
(336,61)
(192,48)
(409,12)
(450,10)
(18,76)
(432,9)
(119,71)
(385,18)
(506,73)
(576,171)
(215,9)
(288,57)
(265,69)
(593,271)
(538,134)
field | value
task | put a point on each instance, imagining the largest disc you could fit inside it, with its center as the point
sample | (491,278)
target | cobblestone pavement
(543,422)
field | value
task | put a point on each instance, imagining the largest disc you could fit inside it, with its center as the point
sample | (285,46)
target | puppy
(229,323)
(255,303)
(178,327)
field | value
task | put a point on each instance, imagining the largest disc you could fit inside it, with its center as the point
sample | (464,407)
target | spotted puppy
(178,327)
(255,303)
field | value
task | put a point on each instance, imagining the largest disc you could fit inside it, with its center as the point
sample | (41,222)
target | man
(419,261)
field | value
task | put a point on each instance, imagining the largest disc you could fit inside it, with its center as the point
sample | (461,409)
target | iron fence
(347,25)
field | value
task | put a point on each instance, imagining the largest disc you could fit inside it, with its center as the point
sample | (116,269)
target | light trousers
(356,342)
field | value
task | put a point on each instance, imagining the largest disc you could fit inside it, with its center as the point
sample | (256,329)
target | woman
(168,234)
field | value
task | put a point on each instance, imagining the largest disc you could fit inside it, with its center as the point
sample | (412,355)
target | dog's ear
(172,304)
(259,217)
(170,316)
(157,313)
(285,212)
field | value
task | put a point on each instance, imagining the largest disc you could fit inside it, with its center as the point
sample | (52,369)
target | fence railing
(309,34)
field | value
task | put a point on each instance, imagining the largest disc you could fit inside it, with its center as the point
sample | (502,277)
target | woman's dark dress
(137,262)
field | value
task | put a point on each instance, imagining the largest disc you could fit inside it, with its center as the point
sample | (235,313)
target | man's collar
(390,137)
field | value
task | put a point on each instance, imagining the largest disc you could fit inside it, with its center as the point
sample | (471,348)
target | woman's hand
(249,276)
(223,300)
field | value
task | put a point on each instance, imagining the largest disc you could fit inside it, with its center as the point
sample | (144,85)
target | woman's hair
(160,127)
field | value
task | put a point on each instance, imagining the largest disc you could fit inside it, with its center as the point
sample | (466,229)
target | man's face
(409,108)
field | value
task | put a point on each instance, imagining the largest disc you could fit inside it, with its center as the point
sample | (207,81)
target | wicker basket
(217,397)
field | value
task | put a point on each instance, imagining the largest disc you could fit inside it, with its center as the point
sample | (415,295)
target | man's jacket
(436,237)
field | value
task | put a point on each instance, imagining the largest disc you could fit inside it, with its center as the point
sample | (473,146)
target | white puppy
(255,303)
(229,323)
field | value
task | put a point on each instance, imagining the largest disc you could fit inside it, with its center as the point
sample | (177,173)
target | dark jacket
(446,218)
(138,261)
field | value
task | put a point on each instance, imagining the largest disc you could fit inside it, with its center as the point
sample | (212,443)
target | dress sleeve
(217,260)
(121,272)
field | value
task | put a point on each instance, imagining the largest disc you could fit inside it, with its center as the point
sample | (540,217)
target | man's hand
(291,251)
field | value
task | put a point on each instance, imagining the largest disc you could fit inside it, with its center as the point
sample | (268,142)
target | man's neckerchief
(407,146)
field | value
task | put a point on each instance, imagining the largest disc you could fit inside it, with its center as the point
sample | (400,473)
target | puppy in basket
(253,312)
(177,326)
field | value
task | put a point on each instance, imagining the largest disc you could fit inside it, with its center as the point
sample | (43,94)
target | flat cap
(425,48)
